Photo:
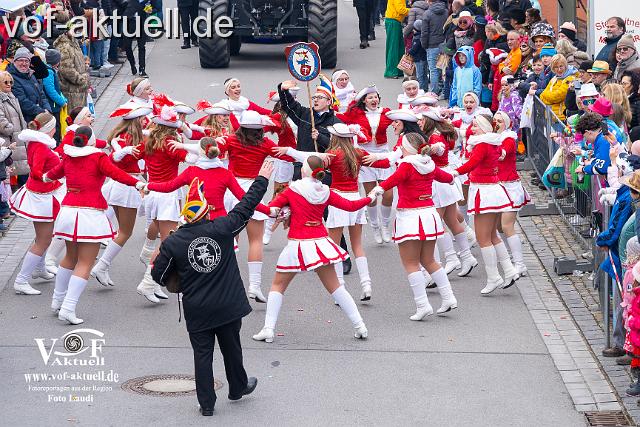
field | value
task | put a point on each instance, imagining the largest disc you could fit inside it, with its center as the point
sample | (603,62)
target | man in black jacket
(201,254)
(323,116)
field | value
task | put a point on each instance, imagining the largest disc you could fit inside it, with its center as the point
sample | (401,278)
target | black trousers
(126,44)
(229,342)
(187,15)
(365,19)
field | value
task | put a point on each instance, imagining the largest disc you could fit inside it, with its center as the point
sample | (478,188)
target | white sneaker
(24,288)
(107,65)
(377,235)
(361,332)
(56,304)
(101,275)
(521,267)
(366,291)
(266,335)
(492,285)
(255,293)
(157,291)
(468,263)
(448,305)
(386,234)
(69,316)
(451,263)
(422,312)
(42,274)
(146,288)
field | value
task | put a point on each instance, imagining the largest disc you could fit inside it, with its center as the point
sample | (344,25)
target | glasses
(623,49)
(588,101)
(8,82)
(316,97)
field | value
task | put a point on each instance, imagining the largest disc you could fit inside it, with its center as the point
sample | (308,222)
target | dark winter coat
(202,255)
(634,103)
(485,61)
(301,116)
(433,20)
(620,213)
(417,51)
(29,93)
(607,53)
(417,11)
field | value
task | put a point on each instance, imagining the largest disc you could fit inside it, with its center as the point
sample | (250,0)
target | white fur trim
(29,135)
(423,164)
(73,151)
(314,191)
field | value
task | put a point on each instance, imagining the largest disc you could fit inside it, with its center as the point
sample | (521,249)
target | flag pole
(313,125)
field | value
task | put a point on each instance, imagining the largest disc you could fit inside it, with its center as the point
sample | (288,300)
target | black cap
(586,65)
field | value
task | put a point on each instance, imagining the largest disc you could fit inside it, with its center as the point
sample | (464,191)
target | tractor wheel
(323,29)
(214,51)
(234,45)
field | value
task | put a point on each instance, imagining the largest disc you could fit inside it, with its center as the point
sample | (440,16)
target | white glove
(118,155)
(196,128)
(191,157)
(377,191)
(273,212)
(45,178)
(438,148)
(502,155)
(455,173)
(141,186)
(608,199)
(606,190)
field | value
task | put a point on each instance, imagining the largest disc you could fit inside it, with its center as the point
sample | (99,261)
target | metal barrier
(578,203)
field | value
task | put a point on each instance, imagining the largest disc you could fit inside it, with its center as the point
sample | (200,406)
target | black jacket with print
(202,255)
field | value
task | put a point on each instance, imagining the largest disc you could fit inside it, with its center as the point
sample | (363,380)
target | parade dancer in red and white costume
(366,112)
(38,201)
(410,91)
(247,150)
(510,180)
(345,162)
(310,248)
(162,162)
(286,131)
(239,103)
(123,199)
(487,199)
(345,92)
(141,91)
(216,123)
(82,221)
(418,223)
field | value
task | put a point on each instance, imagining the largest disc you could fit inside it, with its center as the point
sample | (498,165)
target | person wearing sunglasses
(11,124)
(626,56)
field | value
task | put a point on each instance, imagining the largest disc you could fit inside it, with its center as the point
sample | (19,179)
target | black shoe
(206,412)
(134,70)
(372,36)
(363,45)
(186,44)
(634,389)
(195,43)
(116,61)
(613,352)
(366,43)
(143,73)
(251,385)
(346,266)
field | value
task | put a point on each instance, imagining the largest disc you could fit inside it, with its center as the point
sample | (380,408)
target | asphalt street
(484,364)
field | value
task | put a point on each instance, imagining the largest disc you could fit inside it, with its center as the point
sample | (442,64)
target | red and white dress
(374,125)
(486,194)
(286,138)
(217,180)
(416,217)
(38,201)
(444,194)
(82,217)
(507,173)
(241,105)
(404,102)
(116,193)
(67,139)
(309,244)
(245,162)
(162,165)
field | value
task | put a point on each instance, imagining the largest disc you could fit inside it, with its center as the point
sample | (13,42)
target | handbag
(442,62)
(553,176)
(527,111)
(64,113)
(173,283)
(406,64)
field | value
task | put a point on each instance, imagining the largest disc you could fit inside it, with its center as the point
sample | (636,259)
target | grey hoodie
(433,25)
(418,8)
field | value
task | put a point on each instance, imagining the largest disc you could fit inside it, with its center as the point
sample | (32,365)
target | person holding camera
(596,133)
(201,254)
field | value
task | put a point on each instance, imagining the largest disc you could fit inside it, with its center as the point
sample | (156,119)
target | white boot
(348,305)
(515,244)
(101,273)
(255,281)
(29,265)
(147,287)
(366,291)
(365,279)
(266,335)
(158,292)
(510,272)
(40,272)
(147,250)
(449,301)
(468,262)
(68,309)
(471,236)
(385,212)
(60,289)
(266,237)
(54,254)
(24,288)
(386,233)
(377,235)
(361,332)
(69,317)
(451,262)
(429,283)
(494,281)
(423,308)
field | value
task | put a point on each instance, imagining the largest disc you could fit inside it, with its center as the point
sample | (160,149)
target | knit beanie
(548,50)
(569,30)
(627,41)
(22,53)
(52,56)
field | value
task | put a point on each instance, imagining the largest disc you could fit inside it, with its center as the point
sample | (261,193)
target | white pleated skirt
(339,218)
(417,224)
(307,255)
(37,207)
(230,201)
(517,193)
(118,194)
(162,206)
(83,225)
(283,171)
(488,198)
(444,194)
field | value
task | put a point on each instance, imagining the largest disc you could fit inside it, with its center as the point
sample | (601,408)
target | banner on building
(601,10)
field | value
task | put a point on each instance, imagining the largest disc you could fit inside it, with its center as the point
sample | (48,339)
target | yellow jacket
(555,94)
(396,9)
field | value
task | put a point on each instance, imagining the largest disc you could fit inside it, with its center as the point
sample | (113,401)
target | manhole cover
(606,419)
(172,385)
